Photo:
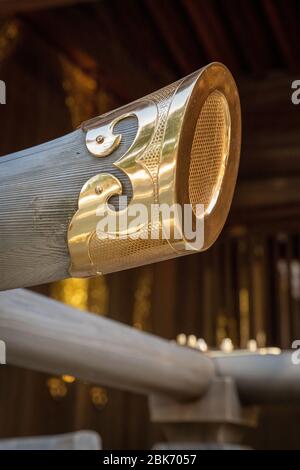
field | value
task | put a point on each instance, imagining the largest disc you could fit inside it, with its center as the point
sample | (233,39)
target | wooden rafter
(12,7)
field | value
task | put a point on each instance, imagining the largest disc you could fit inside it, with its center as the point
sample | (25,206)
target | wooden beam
(275,12)
(176,34)
(267,192)
(270,142)
(43,334)
(211,33)
(262,378)
(39,190)
(112,65)
(13,7)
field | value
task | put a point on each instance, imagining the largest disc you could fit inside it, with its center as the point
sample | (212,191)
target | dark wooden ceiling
(131,47)
(135,45)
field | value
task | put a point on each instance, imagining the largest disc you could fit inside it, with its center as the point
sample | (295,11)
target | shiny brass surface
(186,151)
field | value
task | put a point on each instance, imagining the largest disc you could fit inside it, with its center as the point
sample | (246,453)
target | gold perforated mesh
(118,254)
(209,152)
(150,159)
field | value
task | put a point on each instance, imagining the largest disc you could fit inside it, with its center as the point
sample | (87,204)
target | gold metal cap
(185,153)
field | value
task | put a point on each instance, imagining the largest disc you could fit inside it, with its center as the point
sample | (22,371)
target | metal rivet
(98,190)
(100,139)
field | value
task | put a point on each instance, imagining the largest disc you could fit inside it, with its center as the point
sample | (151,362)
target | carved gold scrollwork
(96,192)
(102,142)
(175,162)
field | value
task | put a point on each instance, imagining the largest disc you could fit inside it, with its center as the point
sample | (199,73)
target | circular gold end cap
(209,148)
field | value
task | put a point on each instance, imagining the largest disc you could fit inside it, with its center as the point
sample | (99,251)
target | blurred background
(66,61)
